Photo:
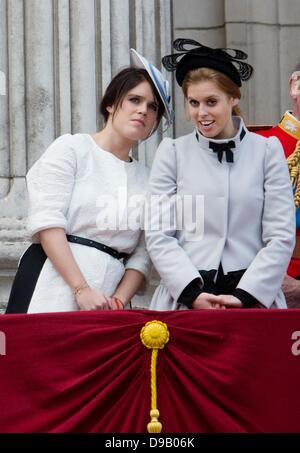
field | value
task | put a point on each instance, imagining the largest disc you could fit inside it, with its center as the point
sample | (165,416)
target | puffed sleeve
(170,260)
(265,274)
(50,183)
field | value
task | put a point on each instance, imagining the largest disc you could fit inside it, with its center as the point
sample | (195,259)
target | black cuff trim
(246,298)
(190,292)
(209,285)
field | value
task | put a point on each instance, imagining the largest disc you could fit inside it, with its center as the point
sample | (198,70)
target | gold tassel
(154,335)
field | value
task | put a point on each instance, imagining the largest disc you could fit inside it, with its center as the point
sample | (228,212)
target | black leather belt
(97,245)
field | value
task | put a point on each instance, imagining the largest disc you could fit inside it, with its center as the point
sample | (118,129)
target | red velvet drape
(222,371)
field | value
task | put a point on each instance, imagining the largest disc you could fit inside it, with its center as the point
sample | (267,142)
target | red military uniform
(288,132)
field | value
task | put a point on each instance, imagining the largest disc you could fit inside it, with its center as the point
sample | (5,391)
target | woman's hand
(211,301)
(92,299)
(291,289)
(229,301)
(208,301)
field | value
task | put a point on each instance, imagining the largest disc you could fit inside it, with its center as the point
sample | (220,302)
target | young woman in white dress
(84,192)
(232,235)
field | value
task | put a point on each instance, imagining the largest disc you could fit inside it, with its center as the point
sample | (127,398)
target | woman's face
(136,116)
(211,109)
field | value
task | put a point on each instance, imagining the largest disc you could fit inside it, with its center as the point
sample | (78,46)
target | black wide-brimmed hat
(228,61)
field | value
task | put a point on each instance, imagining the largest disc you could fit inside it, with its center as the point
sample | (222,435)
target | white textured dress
(91,193)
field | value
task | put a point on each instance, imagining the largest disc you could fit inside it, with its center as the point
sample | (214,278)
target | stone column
(268,31)
(56,59)
(2,84)
(13,149)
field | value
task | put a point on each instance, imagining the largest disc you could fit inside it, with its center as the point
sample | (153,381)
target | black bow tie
(223,147)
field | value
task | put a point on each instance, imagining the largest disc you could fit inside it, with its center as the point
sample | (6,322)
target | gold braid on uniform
(294,168)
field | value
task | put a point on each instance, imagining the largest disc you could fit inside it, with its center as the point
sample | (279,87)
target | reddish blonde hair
(223,82)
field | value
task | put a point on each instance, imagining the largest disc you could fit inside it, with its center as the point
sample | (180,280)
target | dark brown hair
(119,86)
(223,82)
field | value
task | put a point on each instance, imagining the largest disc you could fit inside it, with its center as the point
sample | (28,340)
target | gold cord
(294,168)
(154,335)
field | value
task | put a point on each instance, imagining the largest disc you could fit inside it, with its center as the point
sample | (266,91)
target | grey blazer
(243,215)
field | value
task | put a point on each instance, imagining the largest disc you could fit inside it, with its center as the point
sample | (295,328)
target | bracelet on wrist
(77,291)
(118,302)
